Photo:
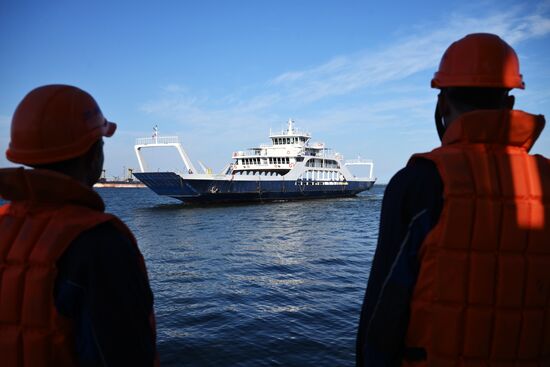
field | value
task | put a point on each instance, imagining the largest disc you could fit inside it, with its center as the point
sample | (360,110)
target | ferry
(290,168)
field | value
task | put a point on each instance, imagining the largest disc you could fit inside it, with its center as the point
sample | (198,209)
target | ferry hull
(228,190)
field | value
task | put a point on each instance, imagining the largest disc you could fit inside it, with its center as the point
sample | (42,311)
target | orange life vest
(48,211)
(482,296)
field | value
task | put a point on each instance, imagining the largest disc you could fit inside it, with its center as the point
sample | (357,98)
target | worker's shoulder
(419,174)
(104,232)
(102,240)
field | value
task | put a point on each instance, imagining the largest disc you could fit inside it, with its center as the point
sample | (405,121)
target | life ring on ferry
(291,165)
(288,152)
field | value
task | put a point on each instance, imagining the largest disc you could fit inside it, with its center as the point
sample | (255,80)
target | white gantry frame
(361,162)
(163,142)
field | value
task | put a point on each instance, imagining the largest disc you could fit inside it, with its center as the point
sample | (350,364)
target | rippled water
(277,284)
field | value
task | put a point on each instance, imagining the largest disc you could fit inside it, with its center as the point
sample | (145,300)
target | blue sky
(220,74)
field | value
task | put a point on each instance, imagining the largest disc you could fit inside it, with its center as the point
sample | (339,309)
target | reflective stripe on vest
(483,291)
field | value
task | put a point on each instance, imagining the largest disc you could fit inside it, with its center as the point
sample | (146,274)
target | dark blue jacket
(410,209)
(102,288)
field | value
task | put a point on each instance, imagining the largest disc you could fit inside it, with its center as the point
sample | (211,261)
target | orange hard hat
(479,60)
(54,123)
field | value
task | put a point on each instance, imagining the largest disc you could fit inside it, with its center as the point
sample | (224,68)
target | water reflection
(254,285)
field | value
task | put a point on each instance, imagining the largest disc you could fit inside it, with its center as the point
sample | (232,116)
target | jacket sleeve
(410,209)
(102,287)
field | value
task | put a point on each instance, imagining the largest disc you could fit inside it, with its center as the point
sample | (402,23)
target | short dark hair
(477,98)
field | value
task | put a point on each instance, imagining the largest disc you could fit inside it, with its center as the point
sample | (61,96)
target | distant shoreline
(119,185)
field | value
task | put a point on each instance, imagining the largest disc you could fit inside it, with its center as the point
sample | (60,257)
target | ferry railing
(158,140)
(359,161)
(288,133)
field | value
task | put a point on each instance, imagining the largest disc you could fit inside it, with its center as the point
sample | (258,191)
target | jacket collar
(501,127)
(46,187)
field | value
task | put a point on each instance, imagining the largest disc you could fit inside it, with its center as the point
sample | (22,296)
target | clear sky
(220,74)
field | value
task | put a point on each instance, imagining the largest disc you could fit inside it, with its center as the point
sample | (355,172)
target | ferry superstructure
(289,168)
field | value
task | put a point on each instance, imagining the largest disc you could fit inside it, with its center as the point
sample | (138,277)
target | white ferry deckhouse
(289,168)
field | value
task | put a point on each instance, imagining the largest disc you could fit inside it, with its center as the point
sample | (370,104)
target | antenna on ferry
(290,126)
(155,133)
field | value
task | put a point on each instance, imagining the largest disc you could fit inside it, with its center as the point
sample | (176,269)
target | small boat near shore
(290,168)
